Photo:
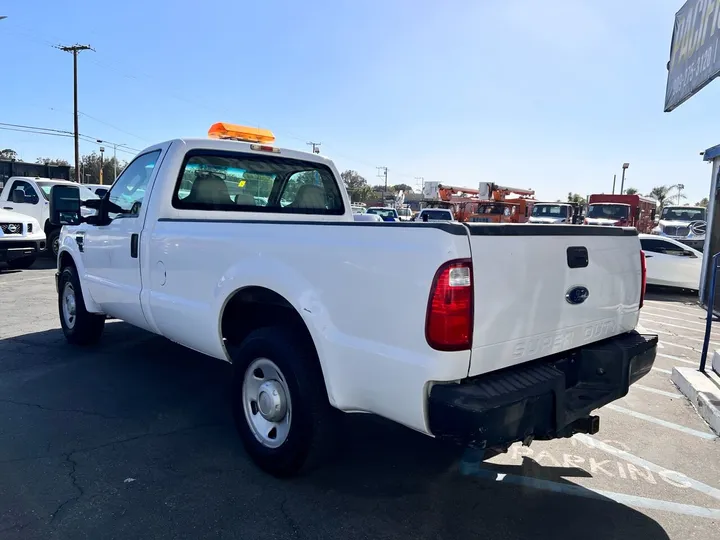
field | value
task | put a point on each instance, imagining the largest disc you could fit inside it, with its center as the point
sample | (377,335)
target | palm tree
(661,193)
(631,191)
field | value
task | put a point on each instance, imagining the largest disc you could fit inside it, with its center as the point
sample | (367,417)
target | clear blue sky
(552,95)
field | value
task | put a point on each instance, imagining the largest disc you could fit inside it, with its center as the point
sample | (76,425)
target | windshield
(437,215)
(608,211)
(384,212)
(405,212)
(683,214)
(85,193)
(358,209)
(493,208)
(549,210)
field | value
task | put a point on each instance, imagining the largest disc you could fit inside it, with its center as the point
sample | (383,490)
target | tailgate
(530,282)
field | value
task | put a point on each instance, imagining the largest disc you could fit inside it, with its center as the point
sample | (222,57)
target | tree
(631,191)
(8,153)
(90,168)
(356,185)
(403,187)
(662,193)
(352,179)
(52,161)
(704,202)
(575,198)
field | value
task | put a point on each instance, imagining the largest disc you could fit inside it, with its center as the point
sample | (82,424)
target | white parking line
(24,280)
(475,469)
(700,330)
(660,370)
(691,311)
(659,422)
(678,359)
(645,318)
(656,391)
(675,335)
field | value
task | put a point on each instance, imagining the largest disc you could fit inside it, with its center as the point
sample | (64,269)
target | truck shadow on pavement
(134,439)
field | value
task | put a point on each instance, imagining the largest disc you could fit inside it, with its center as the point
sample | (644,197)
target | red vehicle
(621,211)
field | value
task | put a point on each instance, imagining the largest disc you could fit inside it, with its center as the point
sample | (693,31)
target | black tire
(314,427)
(22,263)
(53,243)
(84,328)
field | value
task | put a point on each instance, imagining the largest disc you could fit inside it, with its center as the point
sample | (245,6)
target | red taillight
(643,278)
(449,323)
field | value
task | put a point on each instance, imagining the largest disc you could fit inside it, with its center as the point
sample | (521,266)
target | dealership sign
(694,58)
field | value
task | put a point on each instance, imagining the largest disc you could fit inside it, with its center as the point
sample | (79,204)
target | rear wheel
(79,326)
(280,404)
(22,263)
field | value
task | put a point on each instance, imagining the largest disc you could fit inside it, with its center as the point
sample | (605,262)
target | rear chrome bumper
(545,399)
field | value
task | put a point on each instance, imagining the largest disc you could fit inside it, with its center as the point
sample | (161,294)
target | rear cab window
(240,182)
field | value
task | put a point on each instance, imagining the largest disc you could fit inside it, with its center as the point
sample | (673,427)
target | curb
(703,391)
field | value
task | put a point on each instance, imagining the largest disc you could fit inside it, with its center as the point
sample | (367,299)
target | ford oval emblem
(577,295)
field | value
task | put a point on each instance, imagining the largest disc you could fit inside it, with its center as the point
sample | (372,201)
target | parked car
(367,217)
(273,289)
(98,189)
(387,214)
(21,239)
(29,196)
(434,214)
(671,263)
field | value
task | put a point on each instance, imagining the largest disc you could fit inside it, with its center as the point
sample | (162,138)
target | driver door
(111,251)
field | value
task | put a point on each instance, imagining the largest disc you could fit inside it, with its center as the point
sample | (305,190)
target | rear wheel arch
(250,308)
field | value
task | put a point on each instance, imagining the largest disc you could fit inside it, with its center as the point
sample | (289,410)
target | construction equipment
(502,204)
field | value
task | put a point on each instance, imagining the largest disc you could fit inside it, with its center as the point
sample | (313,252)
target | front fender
(283,279)
(68,247)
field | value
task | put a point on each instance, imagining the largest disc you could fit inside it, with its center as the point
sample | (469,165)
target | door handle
(7,207)
(80,241)
(648,256)
(134,240)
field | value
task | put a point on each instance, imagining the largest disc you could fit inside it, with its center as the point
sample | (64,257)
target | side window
(127,194)
(235,182)
(31,197)
(661,246)
(652,245)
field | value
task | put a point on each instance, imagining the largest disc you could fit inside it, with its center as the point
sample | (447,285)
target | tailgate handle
(577,257)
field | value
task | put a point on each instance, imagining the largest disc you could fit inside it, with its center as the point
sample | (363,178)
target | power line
(63,133)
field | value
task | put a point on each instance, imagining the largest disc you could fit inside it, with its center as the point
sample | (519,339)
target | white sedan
(671,263)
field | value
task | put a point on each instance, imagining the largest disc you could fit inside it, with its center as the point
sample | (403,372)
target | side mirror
(18,196)
(92,203)
(64,205)
(656,221)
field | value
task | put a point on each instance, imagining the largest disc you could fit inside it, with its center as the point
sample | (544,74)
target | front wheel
(280,404)
(53,243)
(79,325)
(22,263)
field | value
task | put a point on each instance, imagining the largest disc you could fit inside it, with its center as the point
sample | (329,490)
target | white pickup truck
(30,196)
(249,253)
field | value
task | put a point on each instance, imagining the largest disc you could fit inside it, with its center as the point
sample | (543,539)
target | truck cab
(685,224)
(621,211)
(543,212)
(30,196)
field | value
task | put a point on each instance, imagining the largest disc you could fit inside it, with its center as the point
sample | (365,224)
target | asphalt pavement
(134,439)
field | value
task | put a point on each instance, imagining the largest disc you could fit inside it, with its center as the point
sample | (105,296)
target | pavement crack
(73,478)
(290,521)
(71,411)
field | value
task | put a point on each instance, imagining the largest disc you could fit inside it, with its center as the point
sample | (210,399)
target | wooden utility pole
(75,49)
